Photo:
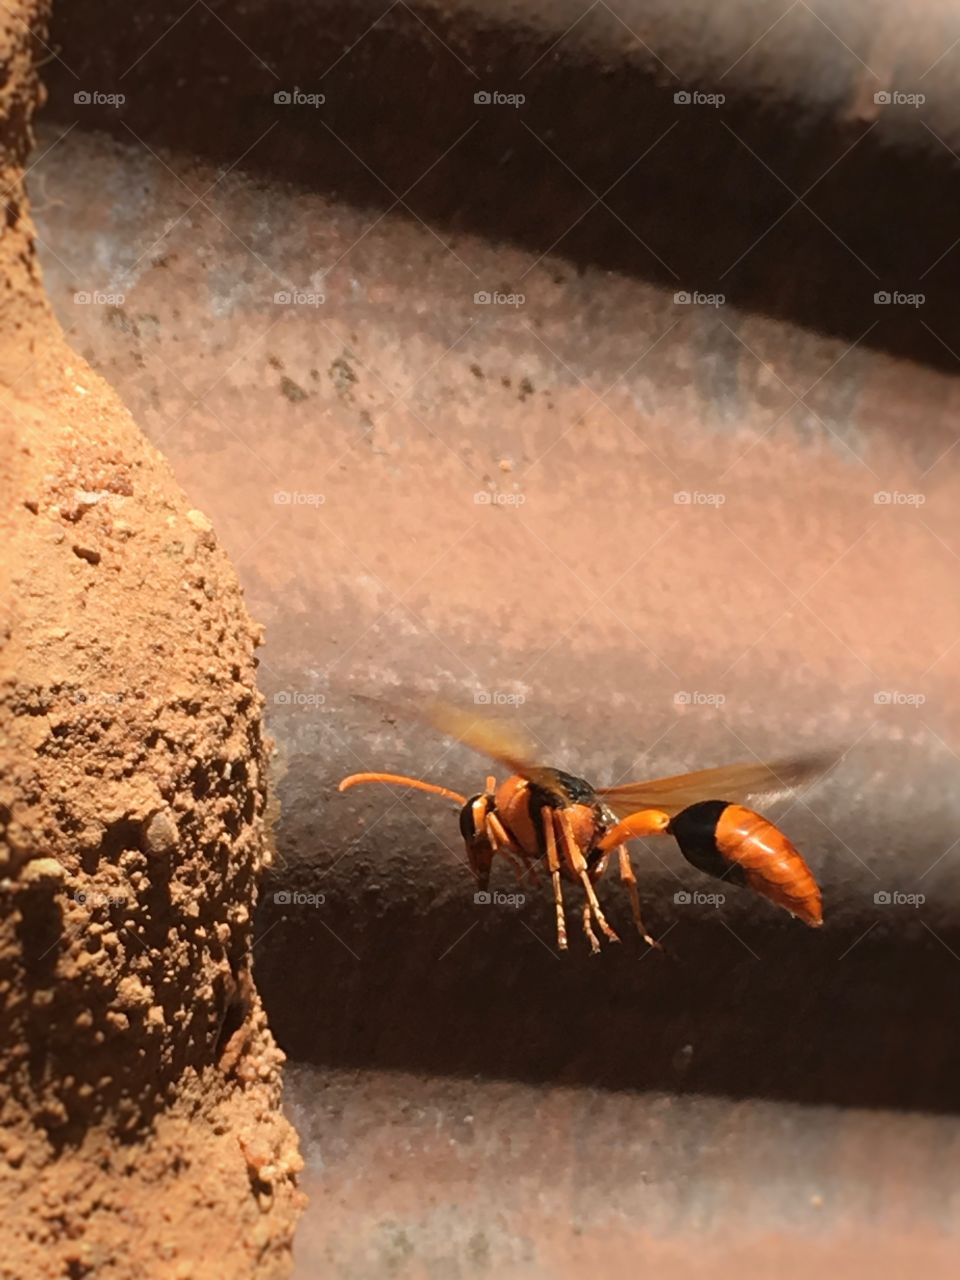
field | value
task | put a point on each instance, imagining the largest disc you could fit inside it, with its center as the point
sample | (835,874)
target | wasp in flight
(543,818)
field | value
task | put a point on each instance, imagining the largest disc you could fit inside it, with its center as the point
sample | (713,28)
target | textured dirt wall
(24,313)
(140,1132)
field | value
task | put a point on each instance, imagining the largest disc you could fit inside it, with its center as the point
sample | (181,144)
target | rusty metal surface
(479,1178)
(801,197)
(482,499)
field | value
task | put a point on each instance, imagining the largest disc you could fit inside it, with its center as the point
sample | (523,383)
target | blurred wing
(485,733)
(737,783)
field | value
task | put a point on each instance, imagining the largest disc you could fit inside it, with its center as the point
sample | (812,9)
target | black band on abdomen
(695,831)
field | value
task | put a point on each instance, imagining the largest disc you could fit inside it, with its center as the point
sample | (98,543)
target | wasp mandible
(544,818)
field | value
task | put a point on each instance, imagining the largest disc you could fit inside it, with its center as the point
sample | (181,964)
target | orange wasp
(544,817)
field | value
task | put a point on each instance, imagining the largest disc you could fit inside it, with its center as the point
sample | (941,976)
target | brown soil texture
(140,1129)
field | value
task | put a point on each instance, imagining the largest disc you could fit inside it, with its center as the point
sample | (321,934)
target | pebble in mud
(160,835)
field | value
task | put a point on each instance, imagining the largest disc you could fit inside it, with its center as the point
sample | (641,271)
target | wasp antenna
(398,780)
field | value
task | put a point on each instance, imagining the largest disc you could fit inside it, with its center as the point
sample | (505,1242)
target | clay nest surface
(141,1098)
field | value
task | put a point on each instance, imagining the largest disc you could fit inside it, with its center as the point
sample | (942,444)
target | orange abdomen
(738,845)
(771,865)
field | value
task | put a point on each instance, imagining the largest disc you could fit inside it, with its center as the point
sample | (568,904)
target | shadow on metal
(799,194)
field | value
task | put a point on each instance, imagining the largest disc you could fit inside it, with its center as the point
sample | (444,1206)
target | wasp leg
(500,839)
(578,864)
(486,819)
(591,936)
(553,862)
(628,878)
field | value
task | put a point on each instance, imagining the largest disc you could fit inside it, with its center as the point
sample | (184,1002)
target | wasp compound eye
(468,825)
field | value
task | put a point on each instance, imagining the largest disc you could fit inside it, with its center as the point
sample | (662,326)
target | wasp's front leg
(553,862)
(578,865)
(503,842)
(588,929)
